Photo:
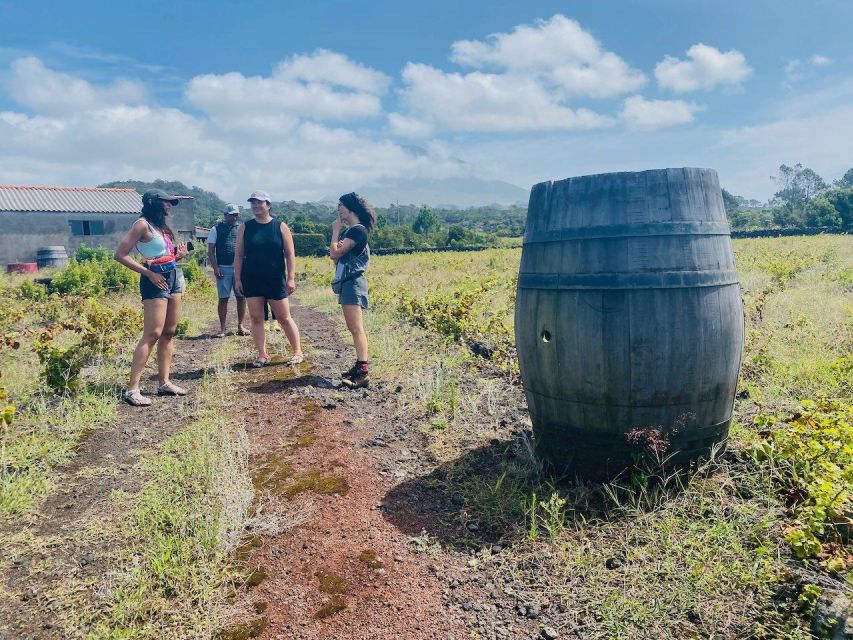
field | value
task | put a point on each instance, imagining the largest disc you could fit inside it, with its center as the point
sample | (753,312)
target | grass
(181,530)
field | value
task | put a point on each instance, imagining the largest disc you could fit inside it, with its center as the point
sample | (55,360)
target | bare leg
(281,310)
(222,309)
(166,344)
(241,315)
(355,324)
(256,319)
(152,328)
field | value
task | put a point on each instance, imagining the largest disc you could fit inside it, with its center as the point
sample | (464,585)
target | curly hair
(155,214)
(361,208)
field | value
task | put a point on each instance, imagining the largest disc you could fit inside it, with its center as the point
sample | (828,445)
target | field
(138,541)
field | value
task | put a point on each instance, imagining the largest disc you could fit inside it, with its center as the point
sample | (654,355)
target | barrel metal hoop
(644,229)
(639,280)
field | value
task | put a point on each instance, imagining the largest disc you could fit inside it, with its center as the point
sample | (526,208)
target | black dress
(263,271)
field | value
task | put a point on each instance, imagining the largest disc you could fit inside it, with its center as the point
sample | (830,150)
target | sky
(308,99)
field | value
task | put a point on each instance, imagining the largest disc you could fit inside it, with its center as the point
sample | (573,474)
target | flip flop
(170,389)
(221,334)
(134,398)
(296,359)
(259,362)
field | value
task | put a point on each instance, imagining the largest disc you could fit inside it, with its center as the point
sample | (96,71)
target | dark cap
(153,195)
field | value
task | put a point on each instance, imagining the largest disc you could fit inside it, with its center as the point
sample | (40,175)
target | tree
(732,202)
(799,185)
(842,201)
(845,181)
(821,213)
(426,222)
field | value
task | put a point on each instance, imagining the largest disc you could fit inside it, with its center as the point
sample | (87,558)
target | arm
(238,261)
(122,254)
(339,248)
(211,258)
(289,257)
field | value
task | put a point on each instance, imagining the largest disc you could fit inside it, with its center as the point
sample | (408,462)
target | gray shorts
(354,292)
(225,284)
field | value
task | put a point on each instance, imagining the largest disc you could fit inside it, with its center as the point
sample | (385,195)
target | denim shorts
(354,292)
(225,284)
(174,279)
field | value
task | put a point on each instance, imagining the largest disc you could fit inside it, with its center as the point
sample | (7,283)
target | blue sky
(306,99)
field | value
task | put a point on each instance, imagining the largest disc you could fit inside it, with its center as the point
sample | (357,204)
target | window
(86,227)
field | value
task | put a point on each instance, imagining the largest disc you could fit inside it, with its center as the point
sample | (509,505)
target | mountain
(207,205)
(446,193)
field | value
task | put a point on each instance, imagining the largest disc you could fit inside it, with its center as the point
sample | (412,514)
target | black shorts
(275,290)
(175,280)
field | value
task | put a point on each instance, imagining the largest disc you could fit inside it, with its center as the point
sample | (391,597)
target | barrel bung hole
(546,336)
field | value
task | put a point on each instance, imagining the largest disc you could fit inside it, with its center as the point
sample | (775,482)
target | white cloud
(795,70)
(484,102)
(321,86)
(639,113)
(557,51)
(91,143)
(522,81)
(706,68)
(34,86)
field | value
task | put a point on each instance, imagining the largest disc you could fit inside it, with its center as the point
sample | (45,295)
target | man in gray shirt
(220,253)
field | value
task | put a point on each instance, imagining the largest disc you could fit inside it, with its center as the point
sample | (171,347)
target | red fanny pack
(163,264)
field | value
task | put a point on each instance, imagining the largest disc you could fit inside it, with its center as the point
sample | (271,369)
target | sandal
(242,332)
(221,334)
(296,359)
(260,361)
(170,389)
(134,398)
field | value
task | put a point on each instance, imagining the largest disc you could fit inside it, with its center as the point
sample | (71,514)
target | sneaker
(358,379)
(349,373)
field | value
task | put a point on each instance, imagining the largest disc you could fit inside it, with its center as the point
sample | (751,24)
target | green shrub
(309,244)
(92,254)
(94,276)
(84,278)
(810,456)
(29,290)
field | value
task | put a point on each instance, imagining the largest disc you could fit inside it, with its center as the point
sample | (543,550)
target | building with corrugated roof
(35,217)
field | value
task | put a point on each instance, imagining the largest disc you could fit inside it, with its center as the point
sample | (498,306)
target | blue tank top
(156,247)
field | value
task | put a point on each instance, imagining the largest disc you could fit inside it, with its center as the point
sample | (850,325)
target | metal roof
(69,199)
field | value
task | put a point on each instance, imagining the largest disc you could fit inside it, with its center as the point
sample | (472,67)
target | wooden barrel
(22,267)
(54,256)
(628,318)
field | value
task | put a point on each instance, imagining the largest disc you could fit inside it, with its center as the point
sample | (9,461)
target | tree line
(803,199)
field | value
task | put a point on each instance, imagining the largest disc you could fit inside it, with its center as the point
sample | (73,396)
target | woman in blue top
(161,284)
(352,255)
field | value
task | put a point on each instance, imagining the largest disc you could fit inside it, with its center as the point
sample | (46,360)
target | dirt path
(68,551)
(319,456)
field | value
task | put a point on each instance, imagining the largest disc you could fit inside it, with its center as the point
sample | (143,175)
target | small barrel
(54,256)
(22,267)
(628,318)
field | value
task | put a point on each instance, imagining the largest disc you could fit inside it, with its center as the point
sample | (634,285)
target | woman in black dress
(264,270)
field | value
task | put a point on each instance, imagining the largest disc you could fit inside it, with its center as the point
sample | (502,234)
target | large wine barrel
(628,318)
(54,256)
